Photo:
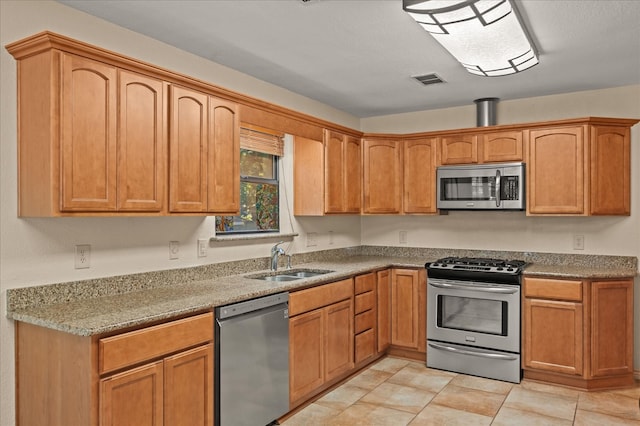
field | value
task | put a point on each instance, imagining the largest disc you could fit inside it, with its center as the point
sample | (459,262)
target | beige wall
(40,251)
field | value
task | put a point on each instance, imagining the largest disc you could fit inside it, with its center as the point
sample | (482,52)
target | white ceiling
(359,56)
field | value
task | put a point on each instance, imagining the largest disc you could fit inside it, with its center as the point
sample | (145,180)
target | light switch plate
(202,248)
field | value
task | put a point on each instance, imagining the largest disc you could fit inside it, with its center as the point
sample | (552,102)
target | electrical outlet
(174,250)
(83,256)
(578,242)
(202,248)
(312,239)
(402,237)
(330,237)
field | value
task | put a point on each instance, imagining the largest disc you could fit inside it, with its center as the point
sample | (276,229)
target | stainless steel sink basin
(277,278)
(305,273)
(290,275)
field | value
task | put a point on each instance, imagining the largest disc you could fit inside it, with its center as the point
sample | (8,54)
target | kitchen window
(259,185)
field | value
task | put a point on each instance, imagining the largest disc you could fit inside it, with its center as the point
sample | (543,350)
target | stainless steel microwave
(481,187)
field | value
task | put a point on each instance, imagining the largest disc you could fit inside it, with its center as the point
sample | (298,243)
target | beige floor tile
(542,387)
(589,418)
(610,403)
(633,392)
(342,397)
(362,414)
(313,414)
(421,377)
(511,416)
(390,364)
(546,404)
(480,383)
(370,379)
(471,400)
(437,415)
(399,397)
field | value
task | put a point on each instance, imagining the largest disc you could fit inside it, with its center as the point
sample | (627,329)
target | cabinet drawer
(544,288)
(365,283)
(365,301)
(365,321)
(317,297)
(126,349)
(365,345)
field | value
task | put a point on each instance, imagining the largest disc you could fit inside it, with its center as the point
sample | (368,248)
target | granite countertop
(87,315)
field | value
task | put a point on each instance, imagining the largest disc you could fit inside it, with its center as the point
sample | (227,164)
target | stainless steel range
(473,316)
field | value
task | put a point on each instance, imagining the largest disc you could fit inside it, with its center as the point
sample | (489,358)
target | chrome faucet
(275,252)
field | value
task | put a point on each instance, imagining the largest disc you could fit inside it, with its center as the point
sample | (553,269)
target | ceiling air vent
(427,79)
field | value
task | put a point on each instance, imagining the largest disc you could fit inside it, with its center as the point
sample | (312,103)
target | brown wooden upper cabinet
(419,184)
(327,175)
(459,149)
(382,159)
(91,139)
(472,148)
(582,169)
(204,142)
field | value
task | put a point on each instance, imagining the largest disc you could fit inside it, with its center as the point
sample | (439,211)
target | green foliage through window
(259,196)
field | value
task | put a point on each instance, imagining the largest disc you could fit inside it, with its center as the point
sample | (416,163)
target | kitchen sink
(290,275)
(277,278)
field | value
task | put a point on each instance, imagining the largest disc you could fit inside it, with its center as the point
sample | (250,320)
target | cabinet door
(502,146)
(188,141)
(384,310)
(556,171)
(459,149)
(338,333)
(553,336)
(405,308)
(223,165)
(88,135)
(382,176)
(611,327)
(308,177)
(334,170)
(306,354)
(141,143)
(133,398)
(420,176)
(610,170)
(353,175)
(188,394)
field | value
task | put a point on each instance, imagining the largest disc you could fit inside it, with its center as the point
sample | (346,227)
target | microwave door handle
(498,188)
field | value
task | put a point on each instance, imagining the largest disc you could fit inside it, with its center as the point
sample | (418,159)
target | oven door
(473,313)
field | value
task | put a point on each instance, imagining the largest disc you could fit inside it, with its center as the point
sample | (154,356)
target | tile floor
(398,392)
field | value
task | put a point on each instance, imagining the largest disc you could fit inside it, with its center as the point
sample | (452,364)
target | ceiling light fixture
(485,36)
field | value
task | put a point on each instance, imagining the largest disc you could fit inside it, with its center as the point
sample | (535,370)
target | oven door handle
(501,290)
(498,188)
(472,352)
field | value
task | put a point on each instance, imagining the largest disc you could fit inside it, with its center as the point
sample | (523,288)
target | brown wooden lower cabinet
(321,338)
(365,321)
(578,332)
(384,310)
(158,375)
(408,311)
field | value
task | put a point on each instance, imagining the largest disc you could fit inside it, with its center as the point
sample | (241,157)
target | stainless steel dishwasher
(252,361)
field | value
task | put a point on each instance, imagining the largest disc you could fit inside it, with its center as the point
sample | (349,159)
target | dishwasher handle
(241,308)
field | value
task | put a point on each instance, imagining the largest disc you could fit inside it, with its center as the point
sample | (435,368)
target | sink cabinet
(321,338)
(570,329)
(157,375)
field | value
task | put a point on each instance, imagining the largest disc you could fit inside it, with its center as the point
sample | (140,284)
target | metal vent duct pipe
(486,112)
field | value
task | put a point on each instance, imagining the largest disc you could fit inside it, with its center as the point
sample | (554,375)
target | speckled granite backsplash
(78,290)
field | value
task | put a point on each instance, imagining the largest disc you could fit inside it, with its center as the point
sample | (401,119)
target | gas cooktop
(475,268)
